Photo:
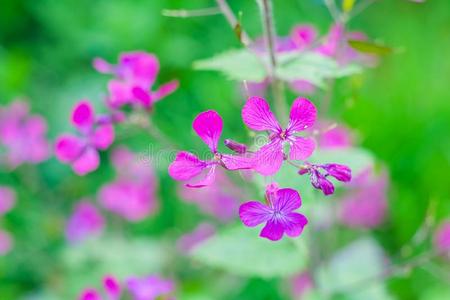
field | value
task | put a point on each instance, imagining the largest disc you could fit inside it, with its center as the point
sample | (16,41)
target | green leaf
(240,250)
(235,64)
(355,272)
(369,47)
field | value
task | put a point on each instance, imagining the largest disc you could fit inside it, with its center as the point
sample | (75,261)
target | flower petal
(237,162)
(142,96)
(286,200)
(112,287)
(338,171)
(257,115)
(301,148)
(303,115)
(165,90)
(102,66)
(87,162)
(208,125)
(207,180)
(90,294)
(254,213)
(186,166)
(83,115)
(119,93)
(139,67)
(273,231)
(268,159)
(295,223)
(68,148)
(103,136)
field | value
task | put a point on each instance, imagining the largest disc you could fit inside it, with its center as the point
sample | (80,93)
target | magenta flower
(189,240)
(364,205)
(186,166)
(7,199)
(319,173)
(86,221)
(278,214)
(81,152)
(6,242)
(110,285)
(135,75)
(132,194)
(441,238)
(257,115)
(22,135)
(149,288)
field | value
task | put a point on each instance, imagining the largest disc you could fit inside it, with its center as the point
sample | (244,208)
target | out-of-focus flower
(364,205)
(86,221)
(333,136)
(135,75)
(441,238)
(278,213)
(90,294)
(257,115)
(149,288)
(301,284)
(111,286)
(81,151)
(22,135)
(7,199)
(319,180)
(6,242)
(208,126)
(189,240)
(219,199)
(132,194)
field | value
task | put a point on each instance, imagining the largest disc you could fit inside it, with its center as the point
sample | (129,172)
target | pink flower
(86,221)
(149,288)
(81,152)
(301,284)
(132,194)
(278,214)
(333,136)
(208,126)
(441,238)
(112,289)
(188,241)
(219,199)
(320,180)
(135,75)
(22,135)
(6,242)
(257,115)
(7,199)
(364,205)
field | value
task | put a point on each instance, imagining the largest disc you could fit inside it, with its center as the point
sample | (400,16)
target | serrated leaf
(239,250)
(235,64)
(369,47)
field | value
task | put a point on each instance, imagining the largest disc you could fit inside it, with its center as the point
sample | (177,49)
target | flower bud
(235,146)
(340,172)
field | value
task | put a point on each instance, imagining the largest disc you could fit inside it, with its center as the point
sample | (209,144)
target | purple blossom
(149,288)
(235,146)
(22,135)
(318,175)
(333,136)
(111,287)
(86,221)
(6,242)
(81,151)
(7,199)
(364,204)
(208,126)
(135,74)
(189,240)
(278,214)
(301,284)
(132,194)
(257,115)
(441,239)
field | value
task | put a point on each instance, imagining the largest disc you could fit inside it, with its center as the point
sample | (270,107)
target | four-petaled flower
(320,181)
(257,115)
(186,166)
(278,213)
(81,152)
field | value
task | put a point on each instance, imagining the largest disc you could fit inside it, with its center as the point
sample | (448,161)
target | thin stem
(184,13)
(269,36)
(232,20)
(334,11)
(360,8)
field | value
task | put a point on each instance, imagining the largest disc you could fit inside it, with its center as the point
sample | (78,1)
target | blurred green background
(400,109)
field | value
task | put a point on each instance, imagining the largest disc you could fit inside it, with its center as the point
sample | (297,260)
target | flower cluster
(284,144)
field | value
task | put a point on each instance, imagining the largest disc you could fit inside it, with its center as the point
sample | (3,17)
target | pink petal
(254,213)
(90,294)
(68,148)
(286,200)
(7,199)
(186,166)
(303,36)
(103,136)
(207,180)
(102,66)
(119,93)
(86,221)
(303,115)
(112,287)
(301,148)
(273,231)
(295,223)
(257,115)
(237,162)
(6,242)
(83,115)
(166,89)
(208,125)
(87,162)
(268,159)
(142,96)
(139,67)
